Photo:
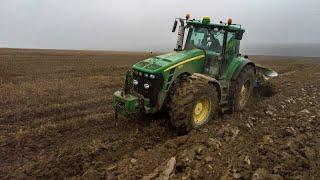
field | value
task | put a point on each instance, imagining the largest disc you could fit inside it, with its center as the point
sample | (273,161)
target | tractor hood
(159,63)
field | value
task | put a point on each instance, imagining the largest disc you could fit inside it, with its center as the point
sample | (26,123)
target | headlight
(135,82)
(146,86)
(146,75)
(152,76)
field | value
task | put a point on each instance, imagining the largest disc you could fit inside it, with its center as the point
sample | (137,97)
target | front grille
(155,86)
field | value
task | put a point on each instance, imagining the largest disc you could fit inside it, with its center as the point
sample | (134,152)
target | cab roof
(231,28)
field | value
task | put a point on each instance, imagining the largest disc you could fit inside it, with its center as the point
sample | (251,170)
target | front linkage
(126,102)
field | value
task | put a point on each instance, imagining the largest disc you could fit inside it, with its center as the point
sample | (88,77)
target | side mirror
(174,26)
(238,35)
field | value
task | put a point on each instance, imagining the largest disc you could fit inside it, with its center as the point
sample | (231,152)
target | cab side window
(232,47)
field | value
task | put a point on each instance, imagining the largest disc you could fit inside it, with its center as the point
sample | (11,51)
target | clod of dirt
(112,167)
(164,172)
(133,161)
(186,157)
(208,159)
(169,168)
(237,175)
(292,114)
(247,160)
(262,174)
(91,174)
(267,139)
(249,124)
(268,112)
(212,142)
(228,133)
(287,131)
(199,149)
(205,130)
(304,111)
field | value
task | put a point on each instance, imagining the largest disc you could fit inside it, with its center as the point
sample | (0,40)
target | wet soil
(56,121)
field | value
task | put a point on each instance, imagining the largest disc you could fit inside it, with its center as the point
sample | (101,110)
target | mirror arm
(174,26)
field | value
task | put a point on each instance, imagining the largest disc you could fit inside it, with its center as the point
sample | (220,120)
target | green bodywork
(125,103)
(187,61)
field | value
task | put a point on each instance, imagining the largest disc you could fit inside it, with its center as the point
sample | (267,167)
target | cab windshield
(206,39)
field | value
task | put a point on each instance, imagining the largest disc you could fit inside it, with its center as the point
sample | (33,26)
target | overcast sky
(146,24)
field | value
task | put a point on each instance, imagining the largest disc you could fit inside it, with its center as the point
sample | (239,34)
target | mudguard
(241,66)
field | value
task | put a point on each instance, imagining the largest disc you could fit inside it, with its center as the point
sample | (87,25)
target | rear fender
(241,67)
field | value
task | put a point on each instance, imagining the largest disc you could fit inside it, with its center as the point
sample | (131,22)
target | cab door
(232,47)
(230,51)
(214,53)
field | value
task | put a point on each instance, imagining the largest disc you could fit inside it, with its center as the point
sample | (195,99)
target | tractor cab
(220,42)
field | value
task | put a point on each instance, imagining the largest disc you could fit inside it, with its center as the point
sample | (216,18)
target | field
(56,120)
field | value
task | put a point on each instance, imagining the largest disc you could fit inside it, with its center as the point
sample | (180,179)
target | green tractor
(204,76)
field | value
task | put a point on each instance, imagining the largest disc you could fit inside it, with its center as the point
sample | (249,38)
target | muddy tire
(241,89)
(193,104)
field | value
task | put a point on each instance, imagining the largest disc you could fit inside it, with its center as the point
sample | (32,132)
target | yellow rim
(244,93)
(201,111)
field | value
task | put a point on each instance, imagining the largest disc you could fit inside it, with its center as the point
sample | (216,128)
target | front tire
(193,104)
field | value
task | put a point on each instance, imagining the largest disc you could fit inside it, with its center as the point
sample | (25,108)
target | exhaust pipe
(181,31)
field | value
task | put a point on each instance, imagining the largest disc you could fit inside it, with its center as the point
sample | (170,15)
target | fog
(145,25)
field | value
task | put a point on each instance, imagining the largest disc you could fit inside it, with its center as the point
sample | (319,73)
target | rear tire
(193,104)
(242,88)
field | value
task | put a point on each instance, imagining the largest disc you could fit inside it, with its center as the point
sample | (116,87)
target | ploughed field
(56,120)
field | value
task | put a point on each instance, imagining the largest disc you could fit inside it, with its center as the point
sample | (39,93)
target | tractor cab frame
(220,42)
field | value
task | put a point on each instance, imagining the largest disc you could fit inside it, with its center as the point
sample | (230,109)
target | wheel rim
(201,111)
(244,93)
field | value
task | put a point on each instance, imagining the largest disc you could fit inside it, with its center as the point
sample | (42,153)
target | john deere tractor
(205,75)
